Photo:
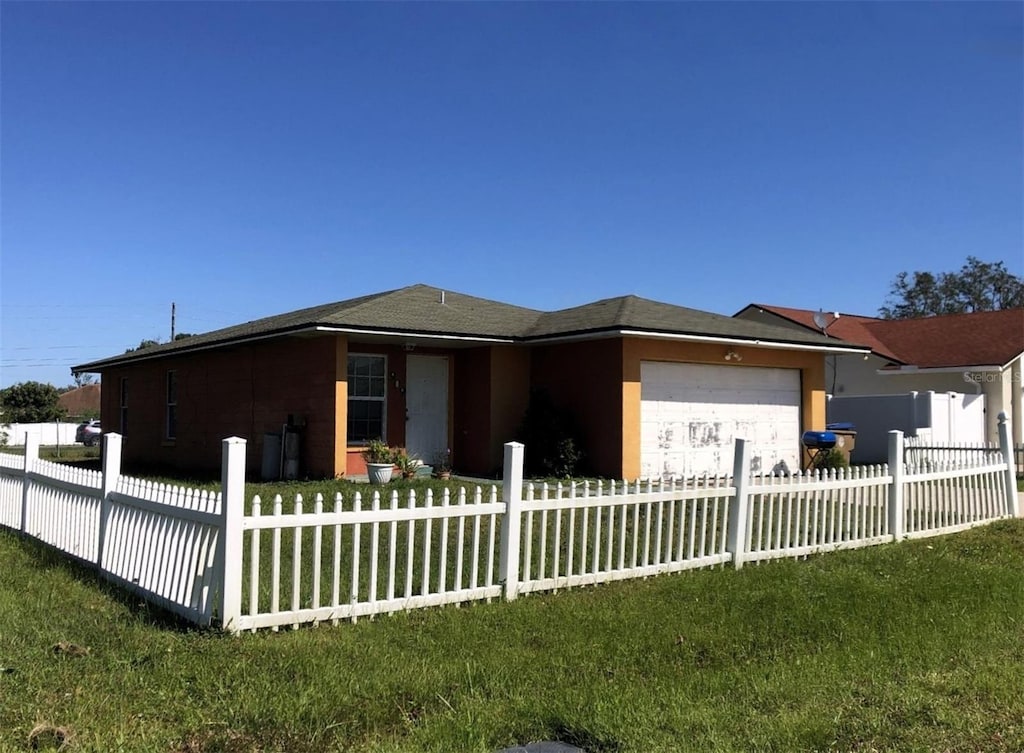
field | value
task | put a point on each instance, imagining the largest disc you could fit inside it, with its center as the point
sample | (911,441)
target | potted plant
(380,461)
(443,465)
(407,464)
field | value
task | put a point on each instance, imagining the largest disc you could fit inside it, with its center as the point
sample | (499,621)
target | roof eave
(693,337)
(95,367)
(138,356)
(910,370)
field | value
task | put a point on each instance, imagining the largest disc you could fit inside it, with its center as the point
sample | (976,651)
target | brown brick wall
(586,379)
(510,394)
(241,391)
(471,438)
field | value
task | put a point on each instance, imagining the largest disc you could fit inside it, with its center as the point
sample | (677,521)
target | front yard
(916,646)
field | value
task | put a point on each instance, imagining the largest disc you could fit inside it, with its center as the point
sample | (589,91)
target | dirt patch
(49,737)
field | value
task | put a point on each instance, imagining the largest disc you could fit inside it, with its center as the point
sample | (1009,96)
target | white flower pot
(379,473)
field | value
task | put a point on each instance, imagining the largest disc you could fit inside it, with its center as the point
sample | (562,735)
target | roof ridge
(626,305)
(774,309)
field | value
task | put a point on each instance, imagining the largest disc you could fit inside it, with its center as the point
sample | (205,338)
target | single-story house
(655,389)
(976,353)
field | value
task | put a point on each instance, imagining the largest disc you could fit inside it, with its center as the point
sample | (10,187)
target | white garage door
(691,414)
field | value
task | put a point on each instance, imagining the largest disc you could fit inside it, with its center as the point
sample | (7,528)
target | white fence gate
(199,555)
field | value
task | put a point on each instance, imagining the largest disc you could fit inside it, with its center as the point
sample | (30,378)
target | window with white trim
(367,390)
(172,405)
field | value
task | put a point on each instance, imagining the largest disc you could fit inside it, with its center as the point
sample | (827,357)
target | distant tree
(83,379)
(978,286)
(143,345)
(29,403)
(153,343)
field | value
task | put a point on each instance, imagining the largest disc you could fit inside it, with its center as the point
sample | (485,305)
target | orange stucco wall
(341,454)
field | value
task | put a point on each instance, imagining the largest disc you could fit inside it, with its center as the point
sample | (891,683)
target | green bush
(828,460)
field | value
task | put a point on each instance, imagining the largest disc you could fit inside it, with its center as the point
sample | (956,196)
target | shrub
(377,451)
(829,459)
(552,446)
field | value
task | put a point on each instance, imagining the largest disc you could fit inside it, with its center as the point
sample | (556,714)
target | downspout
(1017,400)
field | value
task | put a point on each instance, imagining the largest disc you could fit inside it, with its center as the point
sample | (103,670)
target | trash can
(846,437)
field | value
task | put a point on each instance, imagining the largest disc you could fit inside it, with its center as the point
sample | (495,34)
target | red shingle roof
(987,338)
(82,400)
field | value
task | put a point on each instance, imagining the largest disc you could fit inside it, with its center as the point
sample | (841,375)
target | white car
(89,432)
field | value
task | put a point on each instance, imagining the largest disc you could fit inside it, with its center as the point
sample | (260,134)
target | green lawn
(910,647)
(78,454)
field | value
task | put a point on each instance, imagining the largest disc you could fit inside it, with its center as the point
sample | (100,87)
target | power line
(52,347)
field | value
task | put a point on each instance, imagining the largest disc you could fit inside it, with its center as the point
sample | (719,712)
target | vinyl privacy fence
(298,561)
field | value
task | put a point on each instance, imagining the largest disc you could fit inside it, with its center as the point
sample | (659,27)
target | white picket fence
(159,541)
(349,562)
(284,564)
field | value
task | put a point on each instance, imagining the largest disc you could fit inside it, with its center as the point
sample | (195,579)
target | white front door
(692,414)
(426,406)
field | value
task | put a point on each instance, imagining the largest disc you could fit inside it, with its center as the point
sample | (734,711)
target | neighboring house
(978,353)
(81,402)
(655,389)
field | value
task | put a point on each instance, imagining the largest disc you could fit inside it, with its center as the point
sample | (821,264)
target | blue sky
(246,159)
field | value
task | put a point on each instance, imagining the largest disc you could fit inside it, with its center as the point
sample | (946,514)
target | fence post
(896,469)
(511,521)
(111,475)
(1006,448)
(736,539)
(229,539)
(31,456)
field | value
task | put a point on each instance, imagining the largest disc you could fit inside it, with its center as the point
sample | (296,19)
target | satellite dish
(820,321)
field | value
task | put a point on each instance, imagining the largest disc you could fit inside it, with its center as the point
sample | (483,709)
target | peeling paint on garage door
(691,414)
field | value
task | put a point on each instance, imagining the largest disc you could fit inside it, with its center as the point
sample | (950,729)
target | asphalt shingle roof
(984,338)
(633,313)
(425,310)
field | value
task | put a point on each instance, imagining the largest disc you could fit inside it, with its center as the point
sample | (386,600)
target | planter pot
(379,473)
(444,475)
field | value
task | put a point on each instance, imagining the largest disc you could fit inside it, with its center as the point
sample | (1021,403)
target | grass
(911,647)
(88,457)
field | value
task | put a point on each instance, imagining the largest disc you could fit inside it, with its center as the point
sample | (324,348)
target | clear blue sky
(246,159)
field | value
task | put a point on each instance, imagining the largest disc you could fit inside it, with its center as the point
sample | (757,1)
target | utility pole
(172,321)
